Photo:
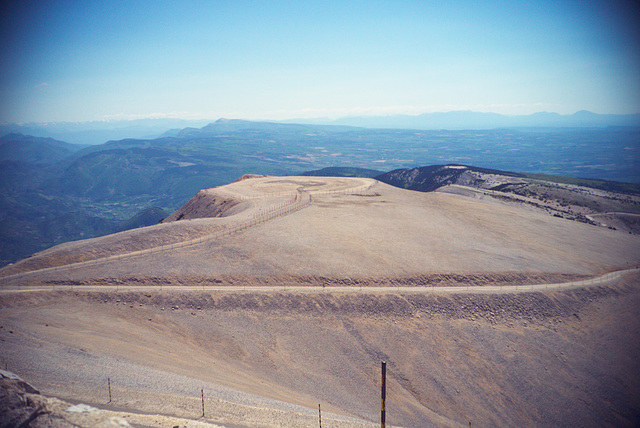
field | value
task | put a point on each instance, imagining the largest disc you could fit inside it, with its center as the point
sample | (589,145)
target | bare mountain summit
(345,228)
(270,295)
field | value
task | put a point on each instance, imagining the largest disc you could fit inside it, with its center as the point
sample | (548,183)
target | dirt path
(460,289)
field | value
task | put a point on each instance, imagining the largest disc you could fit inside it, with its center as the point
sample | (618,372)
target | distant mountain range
(98,132)
(456,120)
(34,150)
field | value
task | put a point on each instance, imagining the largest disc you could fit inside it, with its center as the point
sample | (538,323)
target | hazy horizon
(207,119)
(77,62)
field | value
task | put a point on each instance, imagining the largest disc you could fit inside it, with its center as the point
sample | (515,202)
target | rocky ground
(614,210)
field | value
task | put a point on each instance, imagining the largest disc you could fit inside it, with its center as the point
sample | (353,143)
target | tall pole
(383,395)
(319,416)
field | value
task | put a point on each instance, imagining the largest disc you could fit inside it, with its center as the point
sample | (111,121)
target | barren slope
(565,358)
(591,202)
(366,234)
(552,358)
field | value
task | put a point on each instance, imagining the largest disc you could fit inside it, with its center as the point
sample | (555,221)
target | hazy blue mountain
(252,129)
(467,120)
(98,132)
(154,175)
(35,150)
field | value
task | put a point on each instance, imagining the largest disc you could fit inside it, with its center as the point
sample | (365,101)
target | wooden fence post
(383,390)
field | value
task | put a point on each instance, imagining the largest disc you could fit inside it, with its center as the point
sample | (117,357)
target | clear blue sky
(94,60)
